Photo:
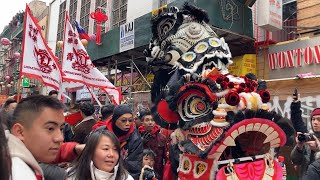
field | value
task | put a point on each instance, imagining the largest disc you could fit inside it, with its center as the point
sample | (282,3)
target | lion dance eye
(194,107)
(197,106)
(214,42)
(201,47)
(189,56)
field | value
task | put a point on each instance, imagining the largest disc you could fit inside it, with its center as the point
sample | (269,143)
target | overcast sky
(10,8)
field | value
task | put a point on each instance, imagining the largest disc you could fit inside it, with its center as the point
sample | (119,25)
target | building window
(162,2)
(102,4)
(119,12)
(290,11)
(62,12)
(84,14)
(73,10)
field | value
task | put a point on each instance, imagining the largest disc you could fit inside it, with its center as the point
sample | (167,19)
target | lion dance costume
(222,126)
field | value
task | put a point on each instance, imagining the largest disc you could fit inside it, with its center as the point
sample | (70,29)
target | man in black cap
(122,125)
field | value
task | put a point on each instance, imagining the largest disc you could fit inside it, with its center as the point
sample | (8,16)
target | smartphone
(295,94)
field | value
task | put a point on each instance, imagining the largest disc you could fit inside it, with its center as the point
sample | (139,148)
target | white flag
(78,67)
(37,59)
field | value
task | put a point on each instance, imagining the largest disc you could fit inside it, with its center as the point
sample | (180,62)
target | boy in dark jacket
(147,172)
(153,139)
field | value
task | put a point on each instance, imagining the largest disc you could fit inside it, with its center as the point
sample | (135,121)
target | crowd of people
(37,143)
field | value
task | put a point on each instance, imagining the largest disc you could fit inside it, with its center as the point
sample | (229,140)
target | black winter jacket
(313,171)
(134,147)
(296,117)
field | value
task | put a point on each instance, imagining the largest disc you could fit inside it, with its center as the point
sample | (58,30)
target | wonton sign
(287,60)
(296,57)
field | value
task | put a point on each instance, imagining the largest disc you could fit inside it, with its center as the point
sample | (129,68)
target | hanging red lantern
(16,55)
(5,41)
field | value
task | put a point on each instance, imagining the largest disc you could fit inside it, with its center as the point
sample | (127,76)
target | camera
(148,174)
(305,137)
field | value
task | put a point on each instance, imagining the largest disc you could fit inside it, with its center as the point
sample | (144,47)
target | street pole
(19,87)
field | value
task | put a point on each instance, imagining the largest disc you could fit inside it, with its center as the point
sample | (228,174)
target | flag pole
(19,88)
(94,96)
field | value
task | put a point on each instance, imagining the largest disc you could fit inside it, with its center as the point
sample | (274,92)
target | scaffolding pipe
(131,79)
(116,73)
(136,67)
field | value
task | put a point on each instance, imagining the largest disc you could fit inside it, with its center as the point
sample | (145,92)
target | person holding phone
(306,147)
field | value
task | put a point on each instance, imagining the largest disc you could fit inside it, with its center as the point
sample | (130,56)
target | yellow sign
(158,11)
(243,65)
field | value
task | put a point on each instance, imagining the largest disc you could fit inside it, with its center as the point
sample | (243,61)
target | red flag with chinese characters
(78,67)
(37,59)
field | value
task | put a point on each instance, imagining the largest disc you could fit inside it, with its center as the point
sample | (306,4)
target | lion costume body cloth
(223,128)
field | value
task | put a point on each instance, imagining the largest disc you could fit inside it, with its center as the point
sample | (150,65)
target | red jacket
(98,124)
(66,153)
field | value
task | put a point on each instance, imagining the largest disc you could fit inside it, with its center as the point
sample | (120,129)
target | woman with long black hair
(100,159)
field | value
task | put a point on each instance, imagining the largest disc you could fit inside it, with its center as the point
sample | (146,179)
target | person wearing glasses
(122,125)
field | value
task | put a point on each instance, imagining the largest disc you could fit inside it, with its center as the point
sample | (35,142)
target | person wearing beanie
(83,128)
(122,125)
(305,151)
